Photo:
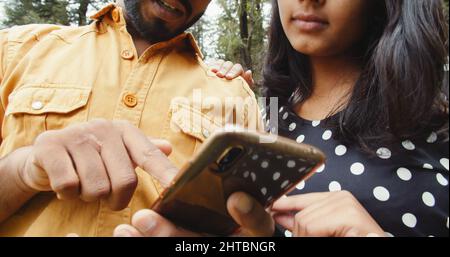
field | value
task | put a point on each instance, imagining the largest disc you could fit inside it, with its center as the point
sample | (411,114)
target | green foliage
(446,7)
(20,12)
(63,12)
(241,32)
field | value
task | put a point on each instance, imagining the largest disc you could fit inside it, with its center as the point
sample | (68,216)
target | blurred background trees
(64,12)
(234,30)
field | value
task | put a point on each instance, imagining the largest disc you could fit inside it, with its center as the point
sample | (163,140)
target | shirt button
(127,55)
(115,15)
(130,100)
(206,133)
(37,105)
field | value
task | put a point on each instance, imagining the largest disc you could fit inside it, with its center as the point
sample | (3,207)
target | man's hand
(330,214)
(95,160)
(248,213)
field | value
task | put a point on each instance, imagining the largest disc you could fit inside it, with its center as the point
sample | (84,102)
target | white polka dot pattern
(404,174)
(276,176)
(316,123)
(407,179)
(409,220)
(300,139)
(427,166)
(444,163)
(381,193)
(292,127)
(408,145)
(334,186)
(340,150)
(321,168)
(301,185)
(441,179)
(432,138)
(357,168)
(327,135)
(384,153)
(428,199)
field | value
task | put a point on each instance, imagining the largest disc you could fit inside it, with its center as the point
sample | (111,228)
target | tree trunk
(82,12)
(246,58)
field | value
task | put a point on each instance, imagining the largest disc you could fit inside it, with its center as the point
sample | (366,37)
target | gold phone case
(196,200)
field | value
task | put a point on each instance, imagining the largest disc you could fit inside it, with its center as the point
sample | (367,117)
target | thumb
(250,215)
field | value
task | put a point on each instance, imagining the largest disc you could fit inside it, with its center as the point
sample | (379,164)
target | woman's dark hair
(400,93)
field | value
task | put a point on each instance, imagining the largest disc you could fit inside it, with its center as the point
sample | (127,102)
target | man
(77,105)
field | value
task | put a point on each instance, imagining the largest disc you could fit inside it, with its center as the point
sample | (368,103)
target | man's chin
(157,35)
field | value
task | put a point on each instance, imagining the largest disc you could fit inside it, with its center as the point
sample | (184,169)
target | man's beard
(155,30)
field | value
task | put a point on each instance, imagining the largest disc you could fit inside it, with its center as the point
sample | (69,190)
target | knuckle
(66,185)
(149,157)
(128,182)
(100,191)
(344,194)
(99,125)
(123,125)
(302,225)
(46,138)
(298,217)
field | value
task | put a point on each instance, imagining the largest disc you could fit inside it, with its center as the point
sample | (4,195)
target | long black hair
(400,93)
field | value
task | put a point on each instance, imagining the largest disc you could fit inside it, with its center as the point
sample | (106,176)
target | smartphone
(234,161)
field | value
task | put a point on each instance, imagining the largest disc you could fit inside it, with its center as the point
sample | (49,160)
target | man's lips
(309,22)
(174,5)
(168,10)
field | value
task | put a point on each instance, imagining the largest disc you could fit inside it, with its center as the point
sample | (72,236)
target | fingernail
(144,221)
(244,204)
(148,225)
(122,233)
(161,141)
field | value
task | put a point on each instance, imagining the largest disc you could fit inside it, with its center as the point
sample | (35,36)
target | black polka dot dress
(404,186)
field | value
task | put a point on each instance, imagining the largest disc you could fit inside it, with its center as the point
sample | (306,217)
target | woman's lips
(309,22)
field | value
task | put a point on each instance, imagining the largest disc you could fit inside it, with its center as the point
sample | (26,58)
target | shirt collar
(116,16)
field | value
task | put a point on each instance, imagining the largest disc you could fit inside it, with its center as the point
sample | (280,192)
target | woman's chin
(318,49)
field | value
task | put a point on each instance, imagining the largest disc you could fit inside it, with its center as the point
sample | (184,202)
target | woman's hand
(335,214)
(246,211)
(231,71)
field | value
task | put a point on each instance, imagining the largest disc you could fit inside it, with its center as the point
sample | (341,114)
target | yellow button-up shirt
(54,76)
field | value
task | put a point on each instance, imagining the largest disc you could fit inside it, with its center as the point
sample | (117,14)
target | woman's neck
(333,79)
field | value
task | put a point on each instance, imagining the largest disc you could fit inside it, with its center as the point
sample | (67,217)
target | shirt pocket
(187,128)
(47,106)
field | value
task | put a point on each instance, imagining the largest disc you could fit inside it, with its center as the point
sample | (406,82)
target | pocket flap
(47,98)
(192,121)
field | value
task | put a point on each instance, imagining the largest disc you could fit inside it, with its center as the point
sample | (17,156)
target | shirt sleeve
(3,48)
(3,41)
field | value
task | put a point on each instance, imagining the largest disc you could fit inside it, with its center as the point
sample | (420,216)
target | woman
(362,80)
